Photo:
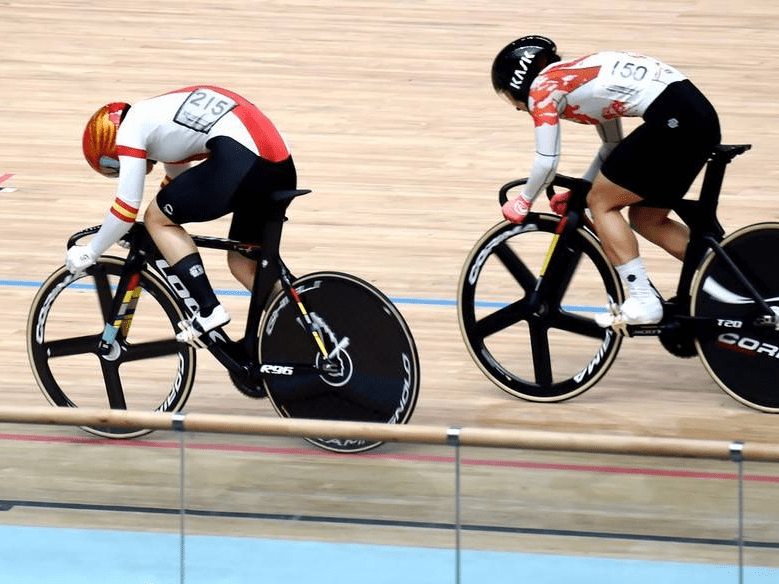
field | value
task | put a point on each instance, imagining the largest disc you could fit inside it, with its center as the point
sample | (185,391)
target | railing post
(453,438)
(737,455)
(177,423)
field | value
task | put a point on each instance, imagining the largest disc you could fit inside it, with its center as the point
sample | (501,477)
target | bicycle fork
(560,270)
(124,313)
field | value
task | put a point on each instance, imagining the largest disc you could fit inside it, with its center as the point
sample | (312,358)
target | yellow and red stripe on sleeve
(123,211)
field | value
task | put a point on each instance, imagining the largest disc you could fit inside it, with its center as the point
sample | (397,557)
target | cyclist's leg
(251,208)
(242,268)
(660,159)
(656,226)
(202,193)
(657,162)
(170,238)
(182,255)
(606,200)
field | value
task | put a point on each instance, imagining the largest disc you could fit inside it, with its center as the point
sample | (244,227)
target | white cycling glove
(79,258)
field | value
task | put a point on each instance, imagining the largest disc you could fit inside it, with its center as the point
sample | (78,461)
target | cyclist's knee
(602,201)
(153,214)
(602,195)
(605,196)
(153,217)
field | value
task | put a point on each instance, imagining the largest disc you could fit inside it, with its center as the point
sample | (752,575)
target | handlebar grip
(503,192)
(81,235)
(575,185)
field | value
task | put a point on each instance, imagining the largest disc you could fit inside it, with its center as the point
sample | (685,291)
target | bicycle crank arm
(642,330)
(675,325)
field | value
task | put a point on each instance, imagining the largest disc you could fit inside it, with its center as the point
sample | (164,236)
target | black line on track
(7,505)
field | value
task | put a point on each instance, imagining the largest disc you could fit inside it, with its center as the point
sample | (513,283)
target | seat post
(269,265)
(701,215)
(713,178)
(712,181)
(271,243)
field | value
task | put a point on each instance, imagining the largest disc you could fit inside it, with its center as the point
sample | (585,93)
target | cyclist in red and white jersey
(221,155)
(656,163)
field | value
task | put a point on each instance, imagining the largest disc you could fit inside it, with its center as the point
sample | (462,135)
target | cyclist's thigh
(206,191)
(656,164)
(252,204)
(606,195)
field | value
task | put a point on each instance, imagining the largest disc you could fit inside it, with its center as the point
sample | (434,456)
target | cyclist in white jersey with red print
(656,163)
(221,155)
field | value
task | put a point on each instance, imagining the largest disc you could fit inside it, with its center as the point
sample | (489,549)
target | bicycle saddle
(282,196)
(729,151)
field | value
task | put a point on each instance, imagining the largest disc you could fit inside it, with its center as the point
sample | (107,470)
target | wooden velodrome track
(389,111)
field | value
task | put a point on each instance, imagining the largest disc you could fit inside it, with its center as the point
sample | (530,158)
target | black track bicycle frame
(270,269)
(706,232)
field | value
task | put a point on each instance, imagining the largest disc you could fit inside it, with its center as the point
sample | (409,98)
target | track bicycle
(326,345)
(528,294)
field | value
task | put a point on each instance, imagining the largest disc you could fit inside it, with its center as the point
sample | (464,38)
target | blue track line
(395,299)
(229,292)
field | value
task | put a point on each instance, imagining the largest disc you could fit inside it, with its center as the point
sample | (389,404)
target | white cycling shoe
(197,326)
(634,310)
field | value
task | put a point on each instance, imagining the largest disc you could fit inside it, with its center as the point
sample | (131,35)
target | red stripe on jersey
(266,137)
(127,151)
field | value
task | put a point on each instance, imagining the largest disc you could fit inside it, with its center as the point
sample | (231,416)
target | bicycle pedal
(189,335)
(621,329)
(611,318)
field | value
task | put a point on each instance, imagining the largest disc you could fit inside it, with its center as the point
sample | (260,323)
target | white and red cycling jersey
(597,89)
(174,129)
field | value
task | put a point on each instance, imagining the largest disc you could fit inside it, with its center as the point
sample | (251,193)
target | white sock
(633,274)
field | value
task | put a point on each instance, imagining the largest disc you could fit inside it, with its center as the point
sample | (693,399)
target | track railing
(411,433)
(734,450)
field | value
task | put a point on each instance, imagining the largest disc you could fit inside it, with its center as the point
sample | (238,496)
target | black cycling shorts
(660,159)
(231,180)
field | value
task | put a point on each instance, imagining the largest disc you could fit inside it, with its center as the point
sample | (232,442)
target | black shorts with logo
(660,159)
(231,180)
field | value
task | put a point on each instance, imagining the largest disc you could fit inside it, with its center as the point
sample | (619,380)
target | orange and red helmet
(99,140)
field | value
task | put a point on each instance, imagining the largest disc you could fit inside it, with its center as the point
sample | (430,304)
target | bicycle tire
(65,325)
(526,346)
(741,355)
(379,377)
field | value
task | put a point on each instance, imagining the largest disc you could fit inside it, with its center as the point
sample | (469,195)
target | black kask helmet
(518,63)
